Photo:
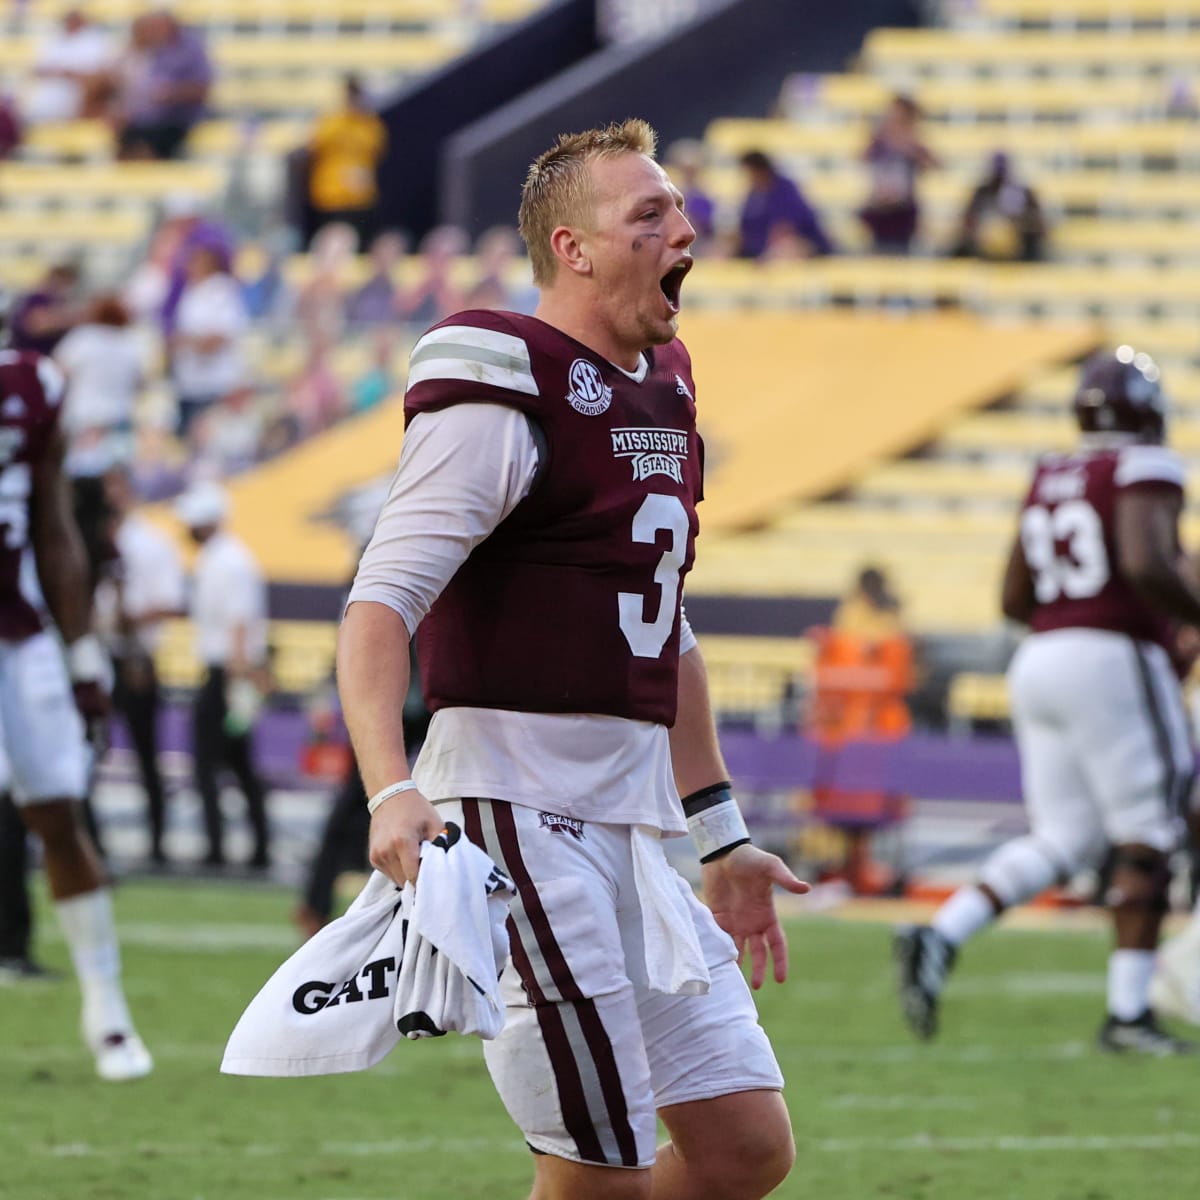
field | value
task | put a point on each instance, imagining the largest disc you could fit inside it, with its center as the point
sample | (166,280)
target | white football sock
(963,915)
(1129,973)
(87,923)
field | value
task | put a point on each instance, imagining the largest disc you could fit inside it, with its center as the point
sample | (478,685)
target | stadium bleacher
(1082,94)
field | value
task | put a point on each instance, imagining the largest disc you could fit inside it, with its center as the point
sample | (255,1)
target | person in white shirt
(229,609)
(207,361)
(148,588)
(66,67)
(104,362)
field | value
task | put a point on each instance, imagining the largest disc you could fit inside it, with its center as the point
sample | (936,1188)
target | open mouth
(672,282)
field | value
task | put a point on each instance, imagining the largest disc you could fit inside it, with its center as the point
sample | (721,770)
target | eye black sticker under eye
(638,242)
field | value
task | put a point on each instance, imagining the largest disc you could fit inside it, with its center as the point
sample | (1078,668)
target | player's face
(639,250)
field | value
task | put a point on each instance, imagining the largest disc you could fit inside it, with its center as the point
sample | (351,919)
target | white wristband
(86,660)
(392,789)
(717,828)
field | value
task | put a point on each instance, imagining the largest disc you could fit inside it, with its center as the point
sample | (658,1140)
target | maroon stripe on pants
(572,1099)
(473,823)
(514,864)
(609,1075)
(590,1022)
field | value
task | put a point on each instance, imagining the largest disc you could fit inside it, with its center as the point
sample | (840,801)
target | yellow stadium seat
(937,53)
(976,697)
(108,183)
(39,230)
(68,139)
(1066,15)
(407,53)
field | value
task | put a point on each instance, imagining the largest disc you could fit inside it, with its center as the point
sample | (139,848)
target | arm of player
(58,550)
(63,574)
(1017,598)
(739,884)
(373,677)
(1147,537)
(462,471)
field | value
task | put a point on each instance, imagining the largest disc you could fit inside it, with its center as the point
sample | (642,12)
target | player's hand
(92,701)
(398,827)
(740,889)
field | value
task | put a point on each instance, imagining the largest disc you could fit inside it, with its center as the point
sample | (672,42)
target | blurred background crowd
(199,221)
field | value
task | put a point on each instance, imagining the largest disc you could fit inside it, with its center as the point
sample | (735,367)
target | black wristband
(707,797)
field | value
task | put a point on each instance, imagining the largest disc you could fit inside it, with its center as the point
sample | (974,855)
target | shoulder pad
(459,350)
(1149,464)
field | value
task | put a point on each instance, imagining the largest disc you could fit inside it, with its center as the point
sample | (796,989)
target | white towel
(412,962)
(674,960)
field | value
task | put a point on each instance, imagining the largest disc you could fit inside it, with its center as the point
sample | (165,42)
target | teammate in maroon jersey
(41,704)
(538,530)
(1097,709)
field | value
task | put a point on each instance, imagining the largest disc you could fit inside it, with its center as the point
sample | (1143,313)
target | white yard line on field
(1052,1144)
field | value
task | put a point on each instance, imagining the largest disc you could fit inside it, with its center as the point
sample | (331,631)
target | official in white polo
(229,610)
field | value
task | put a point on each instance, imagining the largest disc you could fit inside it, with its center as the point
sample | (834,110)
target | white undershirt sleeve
(687,639)
(462,471)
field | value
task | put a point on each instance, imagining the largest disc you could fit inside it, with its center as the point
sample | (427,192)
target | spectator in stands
(193,228)
(10,126)
(497,252)
(207,361)
(314,397)
(435,295)
(227,437)
(41,318)
(686,160)
(70,72)
(376,384)
(344,154)
(165,97)
(159,467)
(774,201)
(103,358)
(896,156)
(1003,220)
(321,302)
(375,301)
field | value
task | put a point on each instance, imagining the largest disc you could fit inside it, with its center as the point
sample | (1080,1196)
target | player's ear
(568,247)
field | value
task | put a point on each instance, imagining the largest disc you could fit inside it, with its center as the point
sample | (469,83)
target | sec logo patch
(588,394)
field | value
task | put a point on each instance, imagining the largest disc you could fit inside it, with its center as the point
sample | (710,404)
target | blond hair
(558,189)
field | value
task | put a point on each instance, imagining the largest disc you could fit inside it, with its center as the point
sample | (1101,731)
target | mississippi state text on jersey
(572,604)
(31,389)
(1069,541)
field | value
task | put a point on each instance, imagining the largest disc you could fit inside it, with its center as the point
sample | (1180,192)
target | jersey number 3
(1080,572)
(647,638)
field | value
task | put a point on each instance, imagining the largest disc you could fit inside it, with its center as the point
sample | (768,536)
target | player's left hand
(94,707)
(739,888)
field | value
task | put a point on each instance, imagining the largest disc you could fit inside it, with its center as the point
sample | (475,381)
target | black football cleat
(924,959)
(1143,1035)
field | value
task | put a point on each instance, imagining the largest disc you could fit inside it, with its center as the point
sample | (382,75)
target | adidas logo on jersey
(682,389)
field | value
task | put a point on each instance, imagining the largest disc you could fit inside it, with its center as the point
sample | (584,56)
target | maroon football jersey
(1069,539)
(572,604)
(31,389)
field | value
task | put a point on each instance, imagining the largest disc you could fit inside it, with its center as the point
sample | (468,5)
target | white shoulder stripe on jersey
(473,354)
(473,372)
(1149,464)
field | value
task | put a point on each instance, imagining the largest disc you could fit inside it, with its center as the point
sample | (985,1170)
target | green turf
(1010,1102)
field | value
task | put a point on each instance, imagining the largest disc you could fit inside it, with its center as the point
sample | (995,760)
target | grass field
(1012,1102)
